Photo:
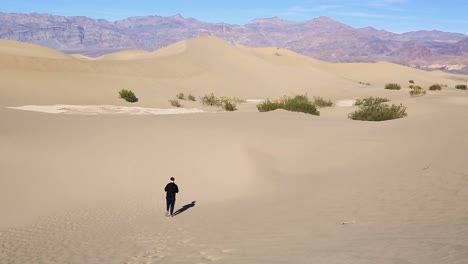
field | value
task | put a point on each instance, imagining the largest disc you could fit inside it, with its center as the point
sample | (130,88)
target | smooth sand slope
(275,187)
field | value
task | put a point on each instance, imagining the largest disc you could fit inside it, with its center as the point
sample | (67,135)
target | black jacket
(171,190)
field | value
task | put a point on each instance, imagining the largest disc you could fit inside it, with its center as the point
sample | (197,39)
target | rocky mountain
(323,38)
(413,51)
(458,49)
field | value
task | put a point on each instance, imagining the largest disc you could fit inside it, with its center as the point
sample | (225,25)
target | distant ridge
(322,37)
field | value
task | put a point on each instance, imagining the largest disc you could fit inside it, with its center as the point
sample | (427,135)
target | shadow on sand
(184,208)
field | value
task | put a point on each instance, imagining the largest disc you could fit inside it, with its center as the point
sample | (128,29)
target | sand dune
(270,187)
(15,48)
(125,55)
(198,66)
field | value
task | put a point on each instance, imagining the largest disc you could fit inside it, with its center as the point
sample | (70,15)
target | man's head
(172,179)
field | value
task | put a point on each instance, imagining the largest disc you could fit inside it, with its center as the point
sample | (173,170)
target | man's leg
(168,204)
(172,206)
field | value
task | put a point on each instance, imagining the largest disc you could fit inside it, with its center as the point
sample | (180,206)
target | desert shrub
(416,90)
(268,105)
(411,81)
(320,102)
(228,106)
(461,86)
(180,96)
(232,99)
(191,97)
(370,101)
(377,111)
(298,103)
(210,100)
(175,102)
(435,87)
(365,83)
(128,96)
(392,86)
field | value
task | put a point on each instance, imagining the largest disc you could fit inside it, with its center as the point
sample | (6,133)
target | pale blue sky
(392,15)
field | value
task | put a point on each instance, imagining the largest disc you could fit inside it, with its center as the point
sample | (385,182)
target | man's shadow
(184,208)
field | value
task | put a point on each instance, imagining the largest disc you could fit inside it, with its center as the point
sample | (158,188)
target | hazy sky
(392,15)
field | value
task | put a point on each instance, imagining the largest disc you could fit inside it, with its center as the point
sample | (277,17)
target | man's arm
(177,189)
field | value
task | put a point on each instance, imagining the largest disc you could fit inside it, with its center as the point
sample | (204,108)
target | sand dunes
(269,187)
(15,48)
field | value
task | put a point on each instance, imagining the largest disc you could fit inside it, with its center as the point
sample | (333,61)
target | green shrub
(411,81)
(320,102)
(370,101)
(392,86)
(376,110)
(175,102)
(298,103)
(180,96)
(268,105)
(191,97)
(416,90)
(461,86)
(233,99)
(210,100)
(435,87)
(128,96)
(228,106)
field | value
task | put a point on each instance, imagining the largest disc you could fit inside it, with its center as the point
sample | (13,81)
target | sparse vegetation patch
(416,90)
(365,83)
(370,101)
(320,102)
(227,103)
(175,102)
(128,96)
(375,109)
(232,99)
(210,100)
(191,97)
(461,86)
(392,86)
(298,103)
(180,96)
(435,87)
(269,105)
(228,106)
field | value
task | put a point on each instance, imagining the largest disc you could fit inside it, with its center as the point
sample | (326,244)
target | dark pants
(170,202)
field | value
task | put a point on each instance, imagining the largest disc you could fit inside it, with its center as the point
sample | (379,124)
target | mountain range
(322,38)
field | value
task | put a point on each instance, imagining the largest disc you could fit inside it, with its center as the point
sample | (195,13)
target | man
(171,190)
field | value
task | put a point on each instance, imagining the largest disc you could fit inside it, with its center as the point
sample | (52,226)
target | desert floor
(276,187)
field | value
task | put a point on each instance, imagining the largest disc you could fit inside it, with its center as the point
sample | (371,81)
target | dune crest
(16,48)
(125,55)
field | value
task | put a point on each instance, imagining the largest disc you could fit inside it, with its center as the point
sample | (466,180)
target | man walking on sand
(171,190)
